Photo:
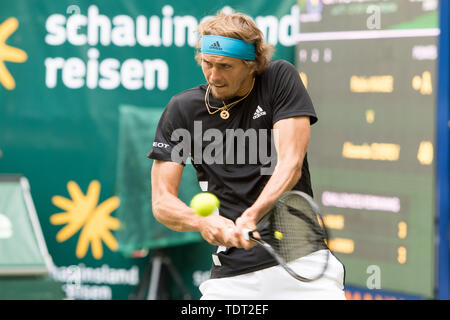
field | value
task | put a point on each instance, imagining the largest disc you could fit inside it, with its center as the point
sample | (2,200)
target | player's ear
(251,65)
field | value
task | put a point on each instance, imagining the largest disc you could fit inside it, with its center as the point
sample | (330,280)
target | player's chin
(221,93)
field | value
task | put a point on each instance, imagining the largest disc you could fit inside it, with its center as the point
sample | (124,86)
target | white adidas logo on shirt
(258,113)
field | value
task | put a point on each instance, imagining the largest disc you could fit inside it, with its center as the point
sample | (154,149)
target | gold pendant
(224,114)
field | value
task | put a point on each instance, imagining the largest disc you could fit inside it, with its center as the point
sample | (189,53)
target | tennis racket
(294,228)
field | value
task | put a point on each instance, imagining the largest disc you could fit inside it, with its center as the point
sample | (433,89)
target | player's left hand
(245,222)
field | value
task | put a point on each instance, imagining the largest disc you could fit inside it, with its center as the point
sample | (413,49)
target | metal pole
(154,280)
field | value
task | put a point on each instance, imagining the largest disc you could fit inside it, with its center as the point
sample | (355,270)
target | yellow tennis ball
(278,235)
(204,203)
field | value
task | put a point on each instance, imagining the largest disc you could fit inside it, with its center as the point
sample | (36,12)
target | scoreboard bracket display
(378,75)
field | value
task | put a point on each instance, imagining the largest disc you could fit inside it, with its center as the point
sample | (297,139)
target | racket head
(293,229)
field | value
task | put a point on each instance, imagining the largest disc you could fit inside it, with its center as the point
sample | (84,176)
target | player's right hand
(218,230)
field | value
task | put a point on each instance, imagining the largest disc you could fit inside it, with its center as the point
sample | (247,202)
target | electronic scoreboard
(370,69)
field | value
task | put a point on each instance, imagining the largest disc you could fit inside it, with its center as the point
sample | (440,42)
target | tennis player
(245,91)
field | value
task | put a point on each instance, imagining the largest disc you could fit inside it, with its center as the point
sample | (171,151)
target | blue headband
(230,47)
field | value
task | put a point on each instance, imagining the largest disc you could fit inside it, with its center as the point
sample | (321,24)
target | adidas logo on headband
(215,46)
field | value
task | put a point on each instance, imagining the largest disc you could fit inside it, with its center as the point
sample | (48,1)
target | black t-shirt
(216,148)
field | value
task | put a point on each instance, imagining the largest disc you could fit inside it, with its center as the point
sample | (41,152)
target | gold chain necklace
(224,111)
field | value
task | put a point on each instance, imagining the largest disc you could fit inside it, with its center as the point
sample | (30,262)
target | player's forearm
(174,213)
(285,176)
(291,137)
(167,208)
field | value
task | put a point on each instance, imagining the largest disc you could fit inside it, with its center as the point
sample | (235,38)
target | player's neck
(246,87)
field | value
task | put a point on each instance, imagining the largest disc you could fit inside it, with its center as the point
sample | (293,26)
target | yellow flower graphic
(83,213)
(8,53)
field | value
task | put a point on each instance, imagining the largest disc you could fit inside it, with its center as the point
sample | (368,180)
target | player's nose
(215,77)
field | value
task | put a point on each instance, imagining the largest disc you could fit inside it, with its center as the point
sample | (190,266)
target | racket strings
(296,229)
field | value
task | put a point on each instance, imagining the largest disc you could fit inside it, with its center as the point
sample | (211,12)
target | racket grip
(246,233)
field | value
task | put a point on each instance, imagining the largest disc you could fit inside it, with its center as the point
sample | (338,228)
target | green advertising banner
(66,67)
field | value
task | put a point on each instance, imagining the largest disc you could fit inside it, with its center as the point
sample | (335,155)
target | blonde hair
(237,26)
